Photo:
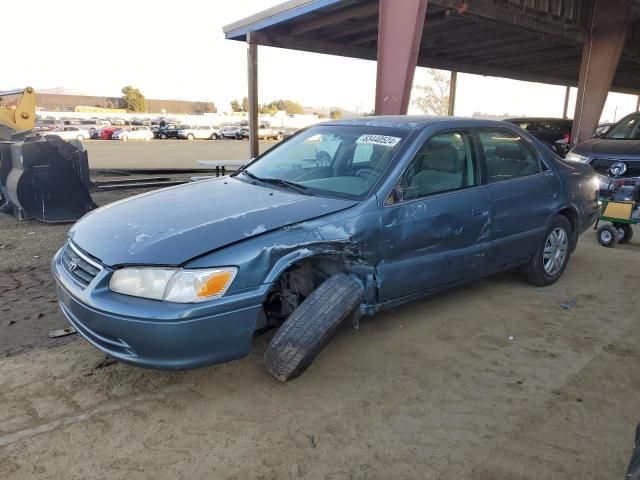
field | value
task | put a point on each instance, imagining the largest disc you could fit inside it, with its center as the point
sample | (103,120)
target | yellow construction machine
(41,177)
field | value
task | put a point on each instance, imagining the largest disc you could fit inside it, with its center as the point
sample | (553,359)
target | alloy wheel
(555,251)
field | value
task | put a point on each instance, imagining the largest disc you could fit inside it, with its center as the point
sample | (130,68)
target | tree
(289,106)
(245,104)
(335,113)
(292,107)
(434,98)
(235,106)
(133,99)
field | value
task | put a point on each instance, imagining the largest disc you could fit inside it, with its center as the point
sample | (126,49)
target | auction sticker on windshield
(379,140)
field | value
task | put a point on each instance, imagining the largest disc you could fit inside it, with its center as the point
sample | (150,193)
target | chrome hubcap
(605,236)
(555,251)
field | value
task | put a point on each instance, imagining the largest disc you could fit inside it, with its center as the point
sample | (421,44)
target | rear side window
(446,162)
(507,155)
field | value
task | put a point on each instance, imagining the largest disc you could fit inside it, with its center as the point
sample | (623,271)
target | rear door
(436,222)
(524,194)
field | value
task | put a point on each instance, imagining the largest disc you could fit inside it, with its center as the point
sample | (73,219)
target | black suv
(620,144)
(170,131)
(553,132)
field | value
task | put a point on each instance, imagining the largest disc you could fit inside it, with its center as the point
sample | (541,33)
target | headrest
(443,158)
(510,150)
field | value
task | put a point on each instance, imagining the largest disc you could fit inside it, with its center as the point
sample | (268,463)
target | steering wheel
(364,172)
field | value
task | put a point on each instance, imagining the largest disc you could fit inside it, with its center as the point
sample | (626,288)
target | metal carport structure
(591,44)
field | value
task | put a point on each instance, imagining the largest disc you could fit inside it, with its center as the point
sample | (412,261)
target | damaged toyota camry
(341,220)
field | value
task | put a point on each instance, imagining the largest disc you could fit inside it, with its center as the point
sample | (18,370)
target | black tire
(279,137)
(625,232)
(310,327)
(163,136)
(535,269)
(608,236)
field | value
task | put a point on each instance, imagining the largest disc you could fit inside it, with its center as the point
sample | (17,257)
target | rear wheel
(163,136)
(625,232)
(550,259)
(190,136)
(310,327)
(279,137)
(214,136)
(124,138)
(608,236)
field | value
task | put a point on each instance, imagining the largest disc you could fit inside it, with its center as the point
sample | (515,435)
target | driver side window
(446,162)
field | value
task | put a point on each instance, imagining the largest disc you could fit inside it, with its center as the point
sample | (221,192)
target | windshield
(627,129)
(343,160)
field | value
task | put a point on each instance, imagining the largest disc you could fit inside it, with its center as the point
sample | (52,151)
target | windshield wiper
(248,174)
(285,183)
(277,181)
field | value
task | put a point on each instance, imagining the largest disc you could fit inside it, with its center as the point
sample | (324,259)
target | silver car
(202,132)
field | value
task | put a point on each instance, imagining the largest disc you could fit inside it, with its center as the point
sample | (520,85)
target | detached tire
(625,232)
(310,327)
(550,259)
(608,236)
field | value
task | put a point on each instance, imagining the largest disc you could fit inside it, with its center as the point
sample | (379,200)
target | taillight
(566,138)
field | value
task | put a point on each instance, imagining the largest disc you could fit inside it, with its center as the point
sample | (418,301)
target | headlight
(574,157)
(173,284)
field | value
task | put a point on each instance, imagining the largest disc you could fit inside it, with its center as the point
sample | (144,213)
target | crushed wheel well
(296,283)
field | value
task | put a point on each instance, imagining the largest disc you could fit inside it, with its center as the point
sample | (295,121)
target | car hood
(628,149)
(174,225)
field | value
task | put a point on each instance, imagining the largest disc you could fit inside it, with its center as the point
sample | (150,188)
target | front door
(436,223)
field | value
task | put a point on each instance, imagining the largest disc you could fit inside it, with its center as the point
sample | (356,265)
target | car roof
(538,119)
(414,122)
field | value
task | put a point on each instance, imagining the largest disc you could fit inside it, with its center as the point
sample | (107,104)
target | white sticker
(379,140)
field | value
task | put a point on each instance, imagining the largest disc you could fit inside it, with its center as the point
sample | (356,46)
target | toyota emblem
(72,265)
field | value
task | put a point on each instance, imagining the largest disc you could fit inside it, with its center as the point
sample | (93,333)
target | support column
(565,111)
(638,104)
(252,81)
(603,46)
(453,85)
(400,27)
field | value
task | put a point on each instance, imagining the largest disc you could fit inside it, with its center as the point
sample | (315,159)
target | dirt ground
(491,381)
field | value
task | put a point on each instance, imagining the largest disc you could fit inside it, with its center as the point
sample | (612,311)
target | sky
(179,52)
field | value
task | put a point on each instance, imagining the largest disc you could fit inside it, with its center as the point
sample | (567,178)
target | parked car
(267,132)
(237,132)
(402,207)
(107,132)
(69,132)
(91,125)
(620,144)
(553,132)
(170,131)
(201,132)
(602,129)
(133,133)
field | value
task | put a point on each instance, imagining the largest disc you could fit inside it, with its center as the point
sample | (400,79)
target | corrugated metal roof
(538,40)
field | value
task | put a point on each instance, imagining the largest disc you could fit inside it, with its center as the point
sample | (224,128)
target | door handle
(480,212)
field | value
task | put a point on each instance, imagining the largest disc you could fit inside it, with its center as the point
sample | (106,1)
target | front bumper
(155,334)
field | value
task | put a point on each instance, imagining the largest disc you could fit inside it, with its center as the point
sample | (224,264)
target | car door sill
(378,307)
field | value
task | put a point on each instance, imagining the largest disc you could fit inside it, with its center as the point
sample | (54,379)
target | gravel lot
(491,381)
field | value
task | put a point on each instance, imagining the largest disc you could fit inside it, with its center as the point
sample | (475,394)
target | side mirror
(597,135)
